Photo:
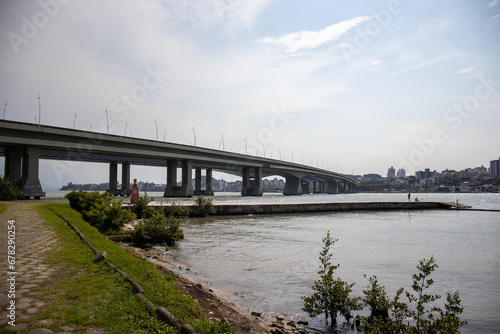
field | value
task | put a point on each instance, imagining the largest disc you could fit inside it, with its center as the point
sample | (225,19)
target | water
(266,263)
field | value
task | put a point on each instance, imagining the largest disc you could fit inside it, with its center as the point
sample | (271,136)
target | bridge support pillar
(209,190)
(186,187)
(305,187)
(252,182)
(13,164)
(126,179)
(332,187)
(293,186)
(208,183)
(30,183)
(113,179)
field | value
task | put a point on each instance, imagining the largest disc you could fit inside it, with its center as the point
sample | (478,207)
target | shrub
(158,229)
(9,191)
(141,208)
(425,320)
(178,211)
(331,296)
(100,210)
(202,208)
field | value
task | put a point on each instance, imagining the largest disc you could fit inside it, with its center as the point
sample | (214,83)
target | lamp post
(107,121)
(156,125)
(4,107)
(39,110)
(74,121)
(194,137)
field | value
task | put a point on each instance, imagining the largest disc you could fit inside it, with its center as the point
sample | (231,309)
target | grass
(89,294)
(3,207)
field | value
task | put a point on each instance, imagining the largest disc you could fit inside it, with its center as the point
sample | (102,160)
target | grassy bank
(88,294)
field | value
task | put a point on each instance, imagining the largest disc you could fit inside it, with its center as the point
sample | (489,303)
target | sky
(350,86)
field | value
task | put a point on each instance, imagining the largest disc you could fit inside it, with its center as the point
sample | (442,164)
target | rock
(291,323)
(303,323)
(256,314)
(100,256)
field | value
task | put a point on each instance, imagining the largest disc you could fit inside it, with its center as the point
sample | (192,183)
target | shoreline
(212,300)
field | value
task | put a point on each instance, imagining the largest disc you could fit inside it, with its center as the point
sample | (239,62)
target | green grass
(3,207)
(93,295)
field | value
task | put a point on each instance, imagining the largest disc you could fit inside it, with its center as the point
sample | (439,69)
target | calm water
(266,263)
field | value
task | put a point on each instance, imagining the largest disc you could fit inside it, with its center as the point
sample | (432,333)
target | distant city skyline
(354,87)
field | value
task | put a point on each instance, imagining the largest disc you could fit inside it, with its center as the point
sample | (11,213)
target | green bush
(425,319)
(202,208)
(100,210)
(9,191)
(141,208)
(178,211)
(158,230)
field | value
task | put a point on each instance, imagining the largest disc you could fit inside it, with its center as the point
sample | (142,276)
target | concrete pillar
(197,182)
(13,164)
(186,187)
(293,186)
(30,183)
(252,182)
(125,179)
(113,179)
(209,191)
(314,187)
(187,179)
(305,187)
(333,187)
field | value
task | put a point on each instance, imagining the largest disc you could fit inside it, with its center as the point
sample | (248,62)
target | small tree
(331,296)
(202,208)
(433,320)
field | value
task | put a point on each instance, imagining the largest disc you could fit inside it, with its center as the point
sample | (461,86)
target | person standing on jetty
(409,195)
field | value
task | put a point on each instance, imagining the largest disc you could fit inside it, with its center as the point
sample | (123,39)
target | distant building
(401,174)
(391,173)
(495,168)
(421,175)
(372,177)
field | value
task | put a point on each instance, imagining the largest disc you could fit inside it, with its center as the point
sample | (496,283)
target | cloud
(493,3)
(311,39)
(468,70)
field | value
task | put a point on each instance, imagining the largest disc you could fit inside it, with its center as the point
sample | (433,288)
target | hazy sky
(354,86)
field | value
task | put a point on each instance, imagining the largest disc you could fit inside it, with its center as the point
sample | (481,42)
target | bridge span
(24,144)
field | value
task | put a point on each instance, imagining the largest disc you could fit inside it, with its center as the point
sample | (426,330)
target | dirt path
(31,270)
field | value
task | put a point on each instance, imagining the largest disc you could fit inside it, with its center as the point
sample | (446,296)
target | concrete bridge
(23,144)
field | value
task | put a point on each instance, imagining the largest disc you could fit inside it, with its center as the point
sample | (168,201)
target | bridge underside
(22,164)
(24,144)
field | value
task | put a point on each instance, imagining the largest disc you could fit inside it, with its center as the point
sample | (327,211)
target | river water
(266,263)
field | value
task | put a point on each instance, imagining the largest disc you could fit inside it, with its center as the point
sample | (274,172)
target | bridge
(24,144)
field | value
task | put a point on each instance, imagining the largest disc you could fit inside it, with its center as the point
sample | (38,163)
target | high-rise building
(391,173)
(495,168)
(401,174)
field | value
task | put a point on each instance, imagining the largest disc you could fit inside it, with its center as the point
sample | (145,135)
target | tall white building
(391,173)
(401,174)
